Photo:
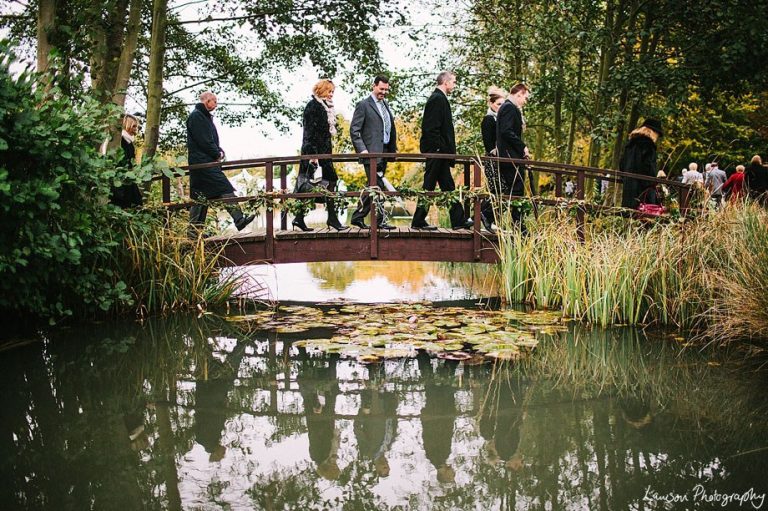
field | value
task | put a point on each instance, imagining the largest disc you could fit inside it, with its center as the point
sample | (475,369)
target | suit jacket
(437,134)
(509,131)
(367,129)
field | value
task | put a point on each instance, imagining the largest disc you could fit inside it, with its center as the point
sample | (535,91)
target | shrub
(56,234)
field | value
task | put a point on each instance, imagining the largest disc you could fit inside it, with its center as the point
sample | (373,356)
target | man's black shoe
(424,227)
(466,225)
(244,221)
(487,224)
(360,223)
(386,227)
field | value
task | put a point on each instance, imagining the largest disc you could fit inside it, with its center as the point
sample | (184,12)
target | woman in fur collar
(639,157)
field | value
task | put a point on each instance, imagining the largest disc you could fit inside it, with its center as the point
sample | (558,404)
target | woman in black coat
(127,195)
(319,127)
(639,157)
(488,130)
(756,180)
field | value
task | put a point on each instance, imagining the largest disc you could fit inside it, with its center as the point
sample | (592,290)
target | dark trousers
(364,205)
(198,212)
(438,172)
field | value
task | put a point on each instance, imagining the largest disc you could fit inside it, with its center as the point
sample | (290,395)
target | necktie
(387,122)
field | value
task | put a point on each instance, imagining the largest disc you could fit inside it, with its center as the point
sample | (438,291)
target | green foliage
(56,234)
(65,250)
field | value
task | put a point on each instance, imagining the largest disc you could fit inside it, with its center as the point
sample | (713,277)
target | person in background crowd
(693,176)
(488,130)
(208,183)
(734,186)
(372,130)
(127,195)
(319,121)
(639,157)
(756,180)
(438,136)
(714,181)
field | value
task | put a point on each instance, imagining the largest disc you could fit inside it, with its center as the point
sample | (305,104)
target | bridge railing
(472,179)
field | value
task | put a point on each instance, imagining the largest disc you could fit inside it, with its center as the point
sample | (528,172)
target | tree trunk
(155,85)
(127,57)
(574,110)
(128,54)
(46,18)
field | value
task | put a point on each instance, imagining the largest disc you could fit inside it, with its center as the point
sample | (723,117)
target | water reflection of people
(439,414)
(501,416)
(376,422)
(318,387)
(211,400)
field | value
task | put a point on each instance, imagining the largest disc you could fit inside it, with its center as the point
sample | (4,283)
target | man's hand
(527,153)
(314,161)
(364,151)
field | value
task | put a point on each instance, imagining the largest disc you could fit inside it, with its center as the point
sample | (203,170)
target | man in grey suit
(373,131)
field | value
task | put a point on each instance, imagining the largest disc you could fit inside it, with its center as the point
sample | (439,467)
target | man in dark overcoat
(510,144)
(438,136)
(372,130)
(208,183)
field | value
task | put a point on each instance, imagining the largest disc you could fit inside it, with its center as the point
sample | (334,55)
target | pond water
(254,412)
(373,281)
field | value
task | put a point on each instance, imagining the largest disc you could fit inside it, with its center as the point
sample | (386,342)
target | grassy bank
(711,272)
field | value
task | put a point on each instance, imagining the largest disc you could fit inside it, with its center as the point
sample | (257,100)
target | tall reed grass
(710,272)
(165,271)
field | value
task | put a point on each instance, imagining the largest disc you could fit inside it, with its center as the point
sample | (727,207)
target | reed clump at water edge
(710,272)
(164,270)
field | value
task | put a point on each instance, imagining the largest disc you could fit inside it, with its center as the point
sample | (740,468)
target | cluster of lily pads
(370,333)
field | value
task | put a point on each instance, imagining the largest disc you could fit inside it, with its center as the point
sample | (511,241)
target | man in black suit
(437,136)
(373,131)
(510,144)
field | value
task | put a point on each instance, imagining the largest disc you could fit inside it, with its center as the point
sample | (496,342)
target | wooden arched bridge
(275,246)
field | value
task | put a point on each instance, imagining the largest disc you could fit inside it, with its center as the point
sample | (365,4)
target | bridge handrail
(473,181)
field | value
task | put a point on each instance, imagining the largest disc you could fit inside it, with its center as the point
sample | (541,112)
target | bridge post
(467,184)
(558,185)
(580,185)
(270,238)
(374,231)
(166,181)
(283,186)
(476,214)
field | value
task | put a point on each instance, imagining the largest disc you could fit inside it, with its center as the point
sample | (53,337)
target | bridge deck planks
(323,244)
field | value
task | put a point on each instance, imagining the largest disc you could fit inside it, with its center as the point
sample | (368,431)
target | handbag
(649,209)
(306,182)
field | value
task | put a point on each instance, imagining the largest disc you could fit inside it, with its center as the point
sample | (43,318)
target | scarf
(330,111)
(491,112)
(128,137)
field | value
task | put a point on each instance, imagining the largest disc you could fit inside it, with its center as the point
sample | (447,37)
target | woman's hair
(494,93)
(756,160)
(129,121)
(644,131)
(740,168)
(323,88)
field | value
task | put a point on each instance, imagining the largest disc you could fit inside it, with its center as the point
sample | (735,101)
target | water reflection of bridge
(403,244)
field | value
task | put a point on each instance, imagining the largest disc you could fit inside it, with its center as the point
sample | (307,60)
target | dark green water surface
(206,414)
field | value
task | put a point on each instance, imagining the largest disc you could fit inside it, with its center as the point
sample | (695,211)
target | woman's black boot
(299,222)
